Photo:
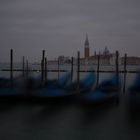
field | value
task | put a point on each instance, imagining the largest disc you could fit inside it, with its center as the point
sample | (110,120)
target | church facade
(106,58)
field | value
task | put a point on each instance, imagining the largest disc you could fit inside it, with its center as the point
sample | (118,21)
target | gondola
(62,81)
(36,82)
(7,85)
(67,92)
(20,86)
(48,92)
(134,91)
(107,90)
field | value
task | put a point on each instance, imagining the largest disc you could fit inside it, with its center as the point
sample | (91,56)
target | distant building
(106,51)
(62,59)
(131,60)
(106,58)
(52,62)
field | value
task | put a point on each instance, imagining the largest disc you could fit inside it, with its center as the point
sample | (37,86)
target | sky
(60,27)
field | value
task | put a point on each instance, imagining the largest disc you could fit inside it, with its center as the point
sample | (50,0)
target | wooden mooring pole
(125,72)
(42,64)
(98,69)
(117,67)
(46,69)
(58,67)
(78,70)
(23,66)
(11,67)
(27,68)
(71,69)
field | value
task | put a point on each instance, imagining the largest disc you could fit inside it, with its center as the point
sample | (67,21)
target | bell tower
(87,51)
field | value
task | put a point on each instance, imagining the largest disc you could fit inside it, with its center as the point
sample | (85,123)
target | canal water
(70,120)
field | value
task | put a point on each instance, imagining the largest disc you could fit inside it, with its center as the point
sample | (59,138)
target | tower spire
(86,41)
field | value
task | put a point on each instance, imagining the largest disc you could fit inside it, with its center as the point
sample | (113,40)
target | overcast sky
(60,27)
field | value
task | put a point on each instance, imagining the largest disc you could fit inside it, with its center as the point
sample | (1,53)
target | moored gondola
(21,86)
(134,91)
(107,91)
(48,92)
(69,91)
